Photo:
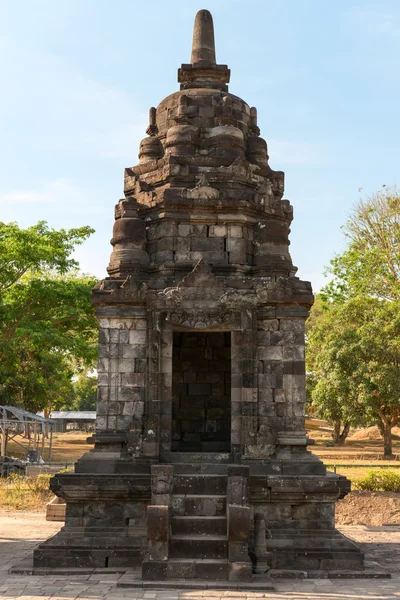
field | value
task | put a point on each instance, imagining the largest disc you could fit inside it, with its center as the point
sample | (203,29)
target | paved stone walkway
(19,533)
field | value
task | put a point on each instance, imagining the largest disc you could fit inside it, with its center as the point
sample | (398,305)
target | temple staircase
(199,529)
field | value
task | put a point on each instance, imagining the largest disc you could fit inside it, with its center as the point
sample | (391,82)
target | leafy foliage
(378,481)
(37,250)
(370,265)
(83,393)
(354,357)
(47,326)
(330,367)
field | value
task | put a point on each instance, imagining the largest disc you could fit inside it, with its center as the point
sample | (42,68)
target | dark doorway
(201,388)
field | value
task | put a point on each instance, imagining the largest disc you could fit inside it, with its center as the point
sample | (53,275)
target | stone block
(166,244)
(153,570)
(158,523)
(181,570)
(123,422)
(132,379)
(235,231)
(166,229)
(279,395)
(122,366)
(270,353)
(207,244)
(101,422)
(140,365)
(111,423)
(237,250)
(268,324)
(137,337)
(238,551)
(218,231)
(238,522)
(184,229)
(163,257)
(133,409)
(216,257)
(199,389)
(295,325)
(133,351)
(182,248)
(240,571)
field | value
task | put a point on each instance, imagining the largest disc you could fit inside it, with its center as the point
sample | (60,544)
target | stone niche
(200,467)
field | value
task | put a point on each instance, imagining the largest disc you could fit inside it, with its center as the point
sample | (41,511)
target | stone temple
(200,468)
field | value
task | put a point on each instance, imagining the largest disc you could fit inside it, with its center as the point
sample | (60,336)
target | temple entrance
(201,392)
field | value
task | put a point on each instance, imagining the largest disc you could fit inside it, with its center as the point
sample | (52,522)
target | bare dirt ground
(368,508)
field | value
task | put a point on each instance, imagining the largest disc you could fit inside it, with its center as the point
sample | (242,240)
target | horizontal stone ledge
(113,312)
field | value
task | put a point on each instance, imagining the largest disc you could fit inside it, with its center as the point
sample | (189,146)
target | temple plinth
(200,467)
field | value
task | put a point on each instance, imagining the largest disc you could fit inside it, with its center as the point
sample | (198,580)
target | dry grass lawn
(24,493)
(67,447)
(359,455)
(362,447)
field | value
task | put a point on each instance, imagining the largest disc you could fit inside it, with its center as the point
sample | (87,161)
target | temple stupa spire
(203,71)
(203,46)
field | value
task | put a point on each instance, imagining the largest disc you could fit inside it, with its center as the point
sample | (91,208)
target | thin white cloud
(119,142)
(375,21)
(66,109)
(295,153)
(47,192)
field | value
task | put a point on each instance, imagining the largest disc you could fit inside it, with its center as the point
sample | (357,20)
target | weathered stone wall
(189,242)
(203,109)
(281,374)
(122,367)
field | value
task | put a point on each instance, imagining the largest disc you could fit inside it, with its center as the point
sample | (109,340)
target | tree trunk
(387,440)
(46,413)
(336,431)
(345,433)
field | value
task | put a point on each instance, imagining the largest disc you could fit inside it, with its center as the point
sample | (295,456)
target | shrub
(23,493)
(379,481)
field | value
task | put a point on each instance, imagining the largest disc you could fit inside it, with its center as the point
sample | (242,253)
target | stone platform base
(131,578)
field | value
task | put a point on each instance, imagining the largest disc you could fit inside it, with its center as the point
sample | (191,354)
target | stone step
(215,569)
(310,544)
(316,560)
(198,546)
(198,525)
(205,572)
(199,505)
(200,468)
(200,484)
(197,457)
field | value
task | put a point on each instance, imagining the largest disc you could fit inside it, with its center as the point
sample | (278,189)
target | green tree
(47,326)
(331,390)
(370,265)
(85,392)
(354,354)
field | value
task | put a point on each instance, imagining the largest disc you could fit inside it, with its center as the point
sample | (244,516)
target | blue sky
(78,78)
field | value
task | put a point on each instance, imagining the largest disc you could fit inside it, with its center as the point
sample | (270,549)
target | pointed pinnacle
(203,46)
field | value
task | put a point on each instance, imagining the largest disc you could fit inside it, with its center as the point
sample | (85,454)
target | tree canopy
(370,265)
(354,360)
(47,325)
(354,331)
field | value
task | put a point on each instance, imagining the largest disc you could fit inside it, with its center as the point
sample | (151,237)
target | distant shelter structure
(28,430)
(73,419)
(200,468)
